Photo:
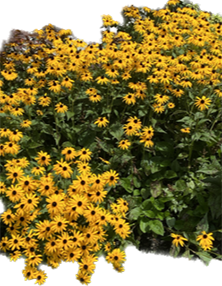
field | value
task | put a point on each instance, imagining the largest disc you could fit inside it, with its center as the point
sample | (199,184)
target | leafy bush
(142,110)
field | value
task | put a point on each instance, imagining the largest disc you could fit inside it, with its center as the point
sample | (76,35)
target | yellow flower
(61,108)
(124,144)
(202,103)
(101,121)
(205,240)
(185,130)
(178,239)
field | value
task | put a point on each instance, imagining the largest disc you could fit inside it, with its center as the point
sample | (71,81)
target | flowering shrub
(144,107)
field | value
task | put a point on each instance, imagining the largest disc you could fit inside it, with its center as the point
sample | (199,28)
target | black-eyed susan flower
(147,132)
(135,121)
(161,99)
(69,153)
(81,184)
(91,91)
(15,242)
(95,97)
(202,103)
(129,98)
(111,177)
(11,148)
(84,154)
(101,121)
(171,105)
(147,141)
(205,240)
(61,108)
(102,80)
(38,170)
(15,173)
(26,123)
(124,144)
(116,256)
(54,86)
(178,239)
(43,158)
(122,228)
(130,129)
(158,108)
(29,272)
(8,217)
(41,276)
(55,204)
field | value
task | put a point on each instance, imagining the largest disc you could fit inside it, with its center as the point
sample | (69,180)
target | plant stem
(191,147)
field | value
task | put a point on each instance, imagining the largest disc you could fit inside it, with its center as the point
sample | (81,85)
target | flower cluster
(54,223)
(144,105)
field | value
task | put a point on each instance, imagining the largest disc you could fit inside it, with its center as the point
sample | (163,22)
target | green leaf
(165,163)
(174,251)
(158,205)
(102,144)
(67,144)
(205,257)
(141,113)
(147,204)
(116,112)
(57,137)
(149,213)
(70,114)
(135,213)
(170,221)
(157,227)
(196,136)
(164,146)
(86,138)
(136,183)
(203,223)
(145,193)
(116,130)
(198,115)
(89,112)
(144,224)
(155,189)
(175,166)
(180,185)
(136,192)
(34,145)
(158,129)
(126,184)
(169,174)
(214,202)
(182,155)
